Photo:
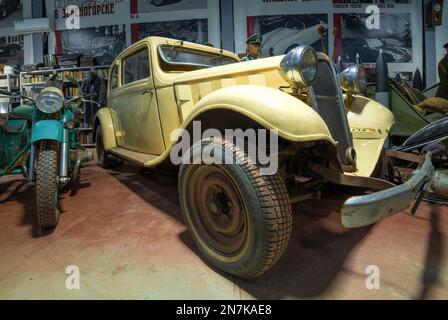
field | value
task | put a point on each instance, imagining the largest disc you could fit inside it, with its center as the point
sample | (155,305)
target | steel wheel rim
(217,209)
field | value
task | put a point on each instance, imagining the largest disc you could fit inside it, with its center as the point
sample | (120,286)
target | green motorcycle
(39,141)
(15,135)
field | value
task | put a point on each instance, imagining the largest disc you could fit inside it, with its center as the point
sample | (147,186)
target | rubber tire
(269,209)
(104,158)
(47,185)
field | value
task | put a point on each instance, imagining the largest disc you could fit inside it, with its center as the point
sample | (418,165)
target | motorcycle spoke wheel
(47,187)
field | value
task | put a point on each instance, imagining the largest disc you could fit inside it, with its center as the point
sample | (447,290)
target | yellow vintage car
(239,216)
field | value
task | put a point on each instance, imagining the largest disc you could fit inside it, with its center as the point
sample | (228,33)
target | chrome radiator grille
(330,106)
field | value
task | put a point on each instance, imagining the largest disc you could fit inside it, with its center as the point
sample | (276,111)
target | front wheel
(47,186)
(240,220)
(105,160)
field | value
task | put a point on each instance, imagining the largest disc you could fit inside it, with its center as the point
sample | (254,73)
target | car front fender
(271,108)
(369,119)
(370,123)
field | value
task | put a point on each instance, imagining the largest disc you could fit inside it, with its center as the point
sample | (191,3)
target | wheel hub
(220,204)
(218,209)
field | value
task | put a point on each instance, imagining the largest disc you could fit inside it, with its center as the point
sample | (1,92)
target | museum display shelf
(9,82)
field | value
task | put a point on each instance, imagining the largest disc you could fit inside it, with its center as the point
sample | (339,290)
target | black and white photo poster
(102,43)
(282,33)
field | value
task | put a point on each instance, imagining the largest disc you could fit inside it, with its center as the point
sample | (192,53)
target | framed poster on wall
(103,28)
(10,11)
(11,49)
(11,44)
(190,20)
(285,24)
(109,26)
(394,38)
(282,33)
(101,43)
(92,13)
(194,30)
(398,34)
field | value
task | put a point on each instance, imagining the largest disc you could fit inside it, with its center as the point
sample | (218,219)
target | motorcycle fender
(47,130)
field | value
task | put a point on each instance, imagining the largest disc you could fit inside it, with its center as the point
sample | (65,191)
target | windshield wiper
(174,46)
(219,58)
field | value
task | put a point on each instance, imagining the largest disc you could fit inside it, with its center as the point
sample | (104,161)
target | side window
(114,78)
(136,66)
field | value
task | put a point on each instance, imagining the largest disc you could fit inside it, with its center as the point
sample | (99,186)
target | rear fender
(104,118)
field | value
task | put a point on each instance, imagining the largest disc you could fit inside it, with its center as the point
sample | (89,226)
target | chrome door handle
(151,91)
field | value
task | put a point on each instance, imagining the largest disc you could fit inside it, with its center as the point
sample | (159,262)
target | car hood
(194,85)
(231,71)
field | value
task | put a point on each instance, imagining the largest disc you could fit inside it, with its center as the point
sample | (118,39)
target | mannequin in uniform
(442,92)
(253,44)
(91,85)
(438,105)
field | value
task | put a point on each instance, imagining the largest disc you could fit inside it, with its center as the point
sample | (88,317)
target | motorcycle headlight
(300,67)
(49,102)
(353,79)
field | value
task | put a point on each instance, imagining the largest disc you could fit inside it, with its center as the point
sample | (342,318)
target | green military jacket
(248,57)
(442,92)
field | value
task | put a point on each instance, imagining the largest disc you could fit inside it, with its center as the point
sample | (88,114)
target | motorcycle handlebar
(14,95)
(5,92)
(89,95)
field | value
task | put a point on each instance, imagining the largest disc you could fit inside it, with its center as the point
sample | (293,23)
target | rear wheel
(104,159)
(240,220)
(47,187)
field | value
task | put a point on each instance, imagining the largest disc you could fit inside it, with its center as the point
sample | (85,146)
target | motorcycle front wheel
(47,187)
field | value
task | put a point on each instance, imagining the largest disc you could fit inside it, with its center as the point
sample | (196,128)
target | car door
(134,103)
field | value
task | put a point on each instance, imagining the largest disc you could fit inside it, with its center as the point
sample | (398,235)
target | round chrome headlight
(300,66)
(49,102)
(353,79)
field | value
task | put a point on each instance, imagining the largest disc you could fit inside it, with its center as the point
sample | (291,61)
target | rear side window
(136,67)
(114,78)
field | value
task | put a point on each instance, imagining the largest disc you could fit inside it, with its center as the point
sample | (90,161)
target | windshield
(179,56)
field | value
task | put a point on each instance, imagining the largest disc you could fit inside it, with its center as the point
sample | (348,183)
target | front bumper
(361,211)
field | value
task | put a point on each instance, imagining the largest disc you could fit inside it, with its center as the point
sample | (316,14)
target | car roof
(185,44)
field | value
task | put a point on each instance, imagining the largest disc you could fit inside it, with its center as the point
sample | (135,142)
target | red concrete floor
(124,231)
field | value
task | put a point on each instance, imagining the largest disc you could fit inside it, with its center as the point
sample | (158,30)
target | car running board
(133,156)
